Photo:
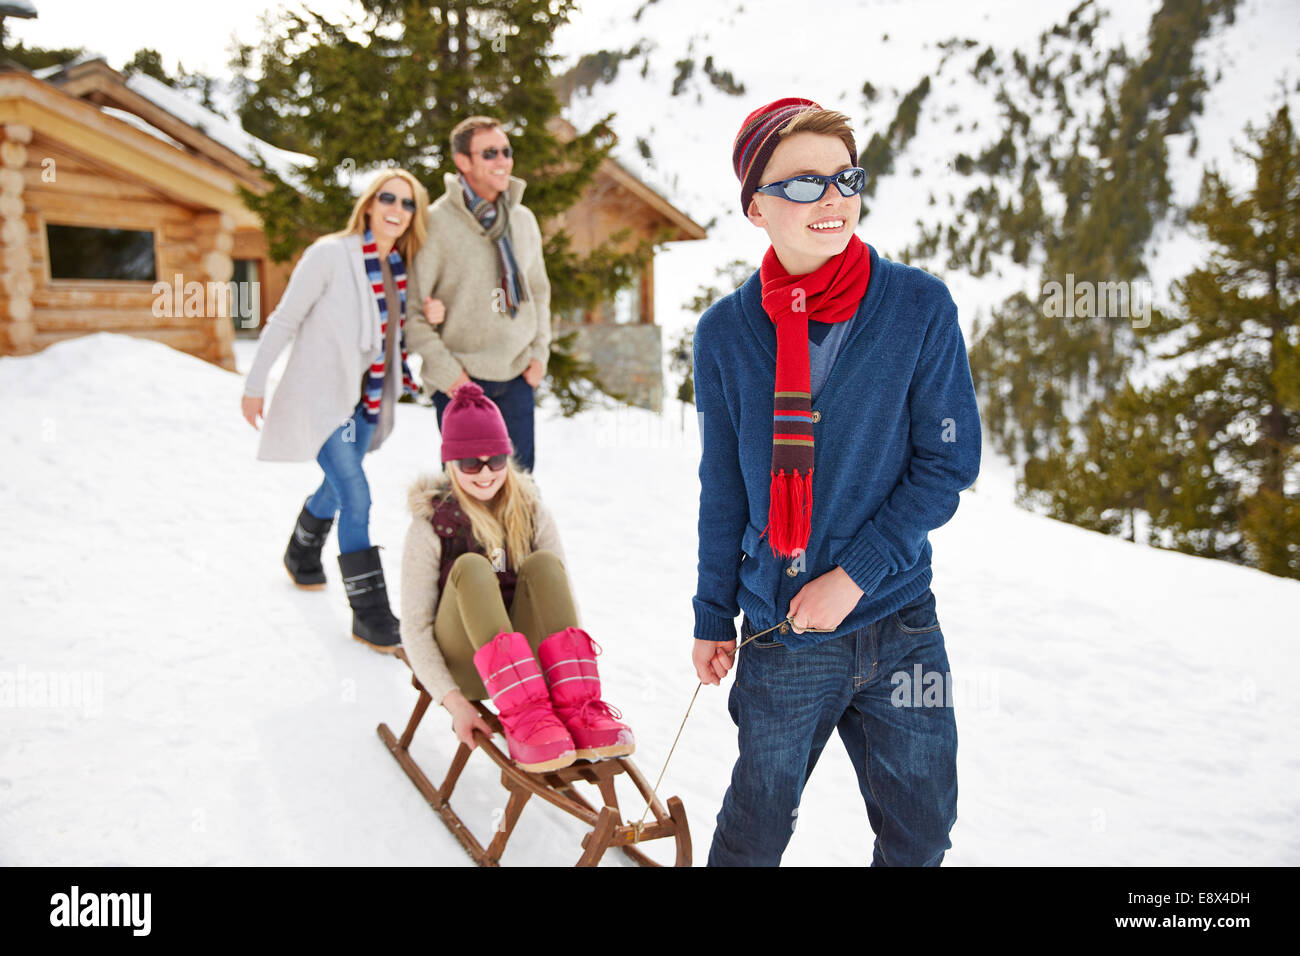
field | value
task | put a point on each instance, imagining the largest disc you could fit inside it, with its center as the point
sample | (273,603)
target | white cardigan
(330,313)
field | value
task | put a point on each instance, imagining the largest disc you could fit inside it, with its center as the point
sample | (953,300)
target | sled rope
(654,793)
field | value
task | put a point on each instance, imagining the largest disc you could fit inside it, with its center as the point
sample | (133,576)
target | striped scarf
(495,220)
(831,293)
(373,387)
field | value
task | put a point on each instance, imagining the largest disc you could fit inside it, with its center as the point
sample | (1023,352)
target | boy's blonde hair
(827,123)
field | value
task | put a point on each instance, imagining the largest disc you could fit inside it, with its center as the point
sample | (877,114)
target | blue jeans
(904,749)
(345,491)
(515,399)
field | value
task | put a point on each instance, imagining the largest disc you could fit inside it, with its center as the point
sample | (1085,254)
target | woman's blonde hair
(410,241)
(507,521)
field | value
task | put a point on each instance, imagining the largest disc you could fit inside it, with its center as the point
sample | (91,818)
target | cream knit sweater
(421,559)
(458,264)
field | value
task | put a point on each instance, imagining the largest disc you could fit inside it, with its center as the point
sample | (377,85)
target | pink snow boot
(538,741)
(569,661)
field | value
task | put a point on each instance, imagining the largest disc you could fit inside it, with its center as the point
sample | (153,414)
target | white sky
(196,34)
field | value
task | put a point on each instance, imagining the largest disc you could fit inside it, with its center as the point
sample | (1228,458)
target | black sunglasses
(388,199)
(472,466)
(810,187)
(491,152)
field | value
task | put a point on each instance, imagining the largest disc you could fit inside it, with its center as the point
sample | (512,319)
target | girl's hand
(252,409)
(434,311)
(465,719)
(824,602)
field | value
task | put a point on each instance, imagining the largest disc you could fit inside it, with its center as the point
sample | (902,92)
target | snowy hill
(690,67)
(168,697)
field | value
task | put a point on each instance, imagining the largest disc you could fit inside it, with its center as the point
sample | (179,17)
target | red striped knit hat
(758,139)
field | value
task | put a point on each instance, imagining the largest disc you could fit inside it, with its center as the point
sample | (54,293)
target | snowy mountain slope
(1115,704)
(771,48)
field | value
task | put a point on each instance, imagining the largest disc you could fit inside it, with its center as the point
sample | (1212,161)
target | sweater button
(817,416)
(792,571)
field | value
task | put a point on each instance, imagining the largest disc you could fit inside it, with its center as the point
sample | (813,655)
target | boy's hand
(824,602)
(712,659)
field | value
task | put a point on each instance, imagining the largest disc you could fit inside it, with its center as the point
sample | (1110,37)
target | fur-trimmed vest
(452,527)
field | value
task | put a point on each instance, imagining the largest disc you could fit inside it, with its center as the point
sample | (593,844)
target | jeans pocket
(919,617)
(746,629)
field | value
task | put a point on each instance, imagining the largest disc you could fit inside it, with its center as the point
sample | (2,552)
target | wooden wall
(38,311)
(604,209)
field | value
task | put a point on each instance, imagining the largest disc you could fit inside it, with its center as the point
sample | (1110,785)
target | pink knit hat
(472,426)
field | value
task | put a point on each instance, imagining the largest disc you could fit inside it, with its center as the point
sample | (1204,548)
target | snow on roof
(138,123)
(18,8)
(226,132)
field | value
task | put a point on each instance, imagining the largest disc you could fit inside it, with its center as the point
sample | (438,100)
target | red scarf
(831,293)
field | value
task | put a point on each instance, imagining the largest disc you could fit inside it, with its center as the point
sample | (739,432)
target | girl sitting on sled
(484,590)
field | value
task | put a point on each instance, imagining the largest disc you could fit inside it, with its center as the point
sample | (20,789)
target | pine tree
(1243,331)
(1210,453)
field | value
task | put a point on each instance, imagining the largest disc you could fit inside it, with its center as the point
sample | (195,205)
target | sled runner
(555,787)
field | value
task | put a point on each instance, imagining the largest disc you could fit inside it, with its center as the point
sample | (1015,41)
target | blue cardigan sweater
(897,438)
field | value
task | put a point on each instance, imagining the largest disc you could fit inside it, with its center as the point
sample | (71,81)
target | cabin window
(627,305)
(246,298)
(80,252)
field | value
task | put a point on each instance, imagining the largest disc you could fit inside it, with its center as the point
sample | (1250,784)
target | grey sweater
(458,264)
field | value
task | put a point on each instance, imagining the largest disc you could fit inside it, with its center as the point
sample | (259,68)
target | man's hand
(712,659)
(533,374)
(434,311)
(252,409)
(824,602)
(462,379)
(465,719)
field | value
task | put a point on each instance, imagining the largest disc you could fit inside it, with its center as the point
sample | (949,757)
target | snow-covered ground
(168,697)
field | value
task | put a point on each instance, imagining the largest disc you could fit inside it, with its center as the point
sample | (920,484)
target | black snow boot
(372,622)
(302,557)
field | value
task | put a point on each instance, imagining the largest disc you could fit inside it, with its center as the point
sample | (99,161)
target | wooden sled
(555,787)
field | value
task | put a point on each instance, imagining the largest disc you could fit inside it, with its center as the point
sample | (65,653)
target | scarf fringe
(789,516)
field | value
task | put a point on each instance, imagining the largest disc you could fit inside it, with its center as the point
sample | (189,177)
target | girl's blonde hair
(507,520)
(410,241)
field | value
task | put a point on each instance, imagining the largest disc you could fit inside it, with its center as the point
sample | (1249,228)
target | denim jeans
(902,742)
(345,491)
(515,399)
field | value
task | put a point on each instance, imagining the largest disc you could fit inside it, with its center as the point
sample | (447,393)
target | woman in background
(344,309)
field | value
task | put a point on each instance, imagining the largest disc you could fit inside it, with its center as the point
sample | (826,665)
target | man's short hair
(462,133)
(826,122)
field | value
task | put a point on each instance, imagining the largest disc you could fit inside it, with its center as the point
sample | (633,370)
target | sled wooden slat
(555,787)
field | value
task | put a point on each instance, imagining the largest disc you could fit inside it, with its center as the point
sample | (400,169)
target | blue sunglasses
(810,187)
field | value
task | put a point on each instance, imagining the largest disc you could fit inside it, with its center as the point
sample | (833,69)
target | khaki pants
(471,611)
